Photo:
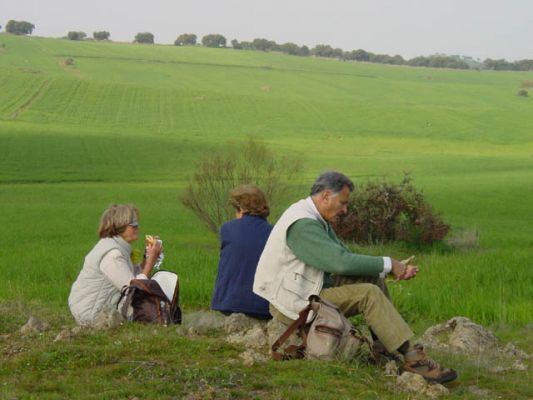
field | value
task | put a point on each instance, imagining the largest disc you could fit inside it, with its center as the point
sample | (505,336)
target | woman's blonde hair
(116,218)
(250,200)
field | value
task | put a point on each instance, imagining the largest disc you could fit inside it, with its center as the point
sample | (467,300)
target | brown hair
(250,200)
(116,218)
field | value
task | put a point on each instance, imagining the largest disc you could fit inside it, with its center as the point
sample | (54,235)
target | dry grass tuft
(466,239)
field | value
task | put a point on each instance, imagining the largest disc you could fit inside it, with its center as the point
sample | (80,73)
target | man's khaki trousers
(370,297)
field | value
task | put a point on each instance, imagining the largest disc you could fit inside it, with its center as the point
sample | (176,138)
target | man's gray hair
(333,181)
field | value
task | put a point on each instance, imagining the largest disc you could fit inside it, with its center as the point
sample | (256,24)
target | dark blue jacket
(241,244)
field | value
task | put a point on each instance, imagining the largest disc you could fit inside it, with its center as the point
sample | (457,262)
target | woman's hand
(153,251)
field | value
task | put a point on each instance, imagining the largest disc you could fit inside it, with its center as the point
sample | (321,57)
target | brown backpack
(329,335)
(149,303)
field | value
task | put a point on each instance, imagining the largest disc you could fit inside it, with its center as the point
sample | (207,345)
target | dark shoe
(417,362)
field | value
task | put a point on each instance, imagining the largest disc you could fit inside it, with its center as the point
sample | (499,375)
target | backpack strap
(175,305)
(292,351)
(176,297)
(127,291)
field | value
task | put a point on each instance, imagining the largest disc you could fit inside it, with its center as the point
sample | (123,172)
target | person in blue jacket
(241,243)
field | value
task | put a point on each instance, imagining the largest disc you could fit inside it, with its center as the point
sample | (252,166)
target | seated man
(304,257)
(241,242)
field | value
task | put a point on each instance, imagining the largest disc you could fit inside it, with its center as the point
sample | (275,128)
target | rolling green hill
(85,124)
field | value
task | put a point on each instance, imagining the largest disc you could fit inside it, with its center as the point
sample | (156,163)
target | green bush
(214,40)
(185,39)
(382,212)
(19,27)
(144,37)
(74,35)
(523,93)
(101,35)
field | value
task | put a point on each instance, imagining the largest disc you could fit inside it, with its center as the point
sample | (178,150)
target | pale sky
(478,28)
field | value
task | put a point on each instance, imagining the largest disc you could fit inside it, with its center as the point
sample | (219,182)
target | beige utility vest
(92,291)
(281,278)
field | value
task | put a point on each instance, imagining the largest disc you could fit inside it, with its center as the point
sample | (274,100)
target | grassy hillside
(125,123)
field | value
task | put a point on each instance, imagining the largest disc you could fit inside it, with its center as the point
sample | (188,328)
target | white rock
(391,369)
(251,357)
(238,323)
(107,318)
(435,391)
(510,350)
(409,382)
(34,325)
(64,335)
(255,337)
(519,366)
(460,334)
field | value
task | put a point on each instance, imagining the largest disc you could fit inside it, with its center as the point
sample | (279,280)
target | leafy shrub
(144,37)
(101,35)
(73,35)
(382,212)
(19,27)
(185,39)
(235,164)
(214,40)
(522,92)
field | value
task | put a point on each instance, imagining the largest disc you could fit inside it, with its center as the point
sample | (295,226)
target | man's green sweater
(317,246)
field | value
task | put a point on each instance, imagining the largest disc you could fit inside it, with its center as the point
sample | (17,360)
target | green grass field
(126,123)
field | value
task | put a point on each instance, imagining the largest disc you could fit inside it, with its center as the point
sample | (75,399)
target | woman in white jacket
(108,266)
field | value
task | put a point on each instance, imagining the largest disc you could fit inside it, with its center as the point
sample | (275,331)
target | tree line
(320,50)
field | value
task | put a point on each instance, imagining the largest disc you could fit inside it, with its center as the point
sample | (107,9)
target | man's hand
(411,269)
(402,270)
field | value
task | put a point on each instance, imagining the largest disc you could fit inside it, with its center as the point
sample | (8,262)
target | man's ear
(325,195)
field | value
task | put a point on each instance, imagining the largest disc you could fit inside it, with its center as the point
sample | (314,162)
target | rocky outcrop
(253,333)
(460,335)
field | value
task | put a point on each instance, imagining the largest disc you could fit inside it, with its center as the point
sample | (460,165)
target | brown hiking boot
(417,362)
